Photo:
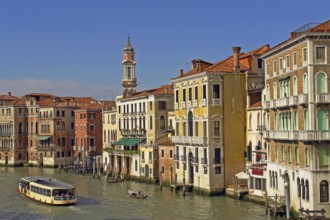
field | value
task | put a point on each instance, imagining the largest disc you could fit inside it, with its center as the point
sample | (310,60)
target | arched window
(104,136)
(302,189)
(306,156)
(267,93)
(275,91)
(306,120)
(59,141)
(323,157)
(190,124)
(162,122)
(322,120)
(282,153)
(273,179)
(296,121)
(305,84)
(276,181)
(321,85)
(307,190)
(324,191)
(276,152)
(298,188)
(296,150)
(295,86)
(58,125)
(63,142)
(289,154)
(63,125)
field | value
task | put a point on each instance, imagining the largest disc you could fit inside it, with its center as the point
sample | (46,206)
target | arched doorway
(287,191)
(190,168)
(146,170)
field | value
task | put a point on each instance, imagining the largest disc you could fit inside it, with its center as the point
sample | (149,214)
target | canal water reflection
(98,199)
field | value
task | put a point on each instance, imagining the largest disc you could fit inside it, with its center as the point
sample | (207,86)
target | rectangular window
(189,94)
(196,92)
(320,55)
(142,156)
(163,153)
(92,142)
(162,105)
(217,155)
(304,55)
(216,91)
(150,106)
(163,169)
(63,113)
(184,95)
(294,59)
(274,66)
(217,128)
(91,128)
(204,91)
(259,63)
(196,128)
(184,128)
(217,170)
(150,122)
(171,154)
(287,61)
(281,64)
(150,155)
(176,96)
(204,129)
(91,115)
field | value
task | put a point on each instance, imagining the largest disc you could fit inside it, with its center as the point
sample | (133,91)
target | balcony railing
(183,104)
(302,99)
(189,140)
(195,103)
(138,132)
(203,160)
(188,104)
(195,160)
(320,61)
(183,158)
(312,135)
(322,98)
(218,160)
(216,102)
(176,105)
(44,147)
(176,157)
(203,101)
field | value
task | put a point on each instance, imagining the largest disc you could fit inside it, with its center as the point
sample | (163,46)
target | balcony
(126,152)
(188,104)
(44,147)
(204,161)
(5,148)
(137,132)
(322,98)
(149,161)
(143,160)
(302,99)
(189,140)
(218,160)
(285,102)
(195,103)
(183,158)
(216,102)
(204,102)
(176,157)
(195,160)
(320,61)
(183,104)
(312,135)
(176,105)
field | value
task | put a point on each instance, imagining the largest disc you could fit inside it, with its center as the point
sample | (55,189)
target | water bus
(47,190)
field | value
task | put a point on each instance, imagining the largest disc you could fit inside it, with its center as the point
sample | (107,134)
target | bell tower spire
(129,81)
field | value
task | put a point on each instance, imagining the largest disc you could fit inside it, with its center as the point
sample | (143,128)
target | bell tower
(129,80)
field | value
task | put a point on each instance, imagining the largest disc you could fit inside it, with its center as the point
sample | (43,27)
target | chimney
(193,64)
(9,93)
(236,51)
(181,72)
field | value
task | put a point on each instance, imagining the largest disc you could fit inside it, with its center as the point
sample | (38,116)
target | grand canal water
(98,199)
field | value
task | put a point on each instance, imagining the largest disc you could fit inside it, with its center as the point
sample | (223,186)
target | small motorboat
(136,194)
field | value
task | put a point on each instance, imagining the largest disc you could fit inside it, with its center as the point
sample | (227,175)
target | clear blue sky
(75,47)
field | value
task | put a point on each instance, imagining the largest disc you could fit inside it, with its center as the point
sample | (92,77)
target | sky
(75,47)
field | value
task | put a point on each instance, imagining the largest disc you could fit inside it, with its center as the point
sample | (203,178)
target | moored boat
(47,190)
(136,194)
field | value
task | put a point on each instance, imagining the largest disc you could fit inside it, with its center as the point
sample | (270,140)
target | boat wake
(77,209)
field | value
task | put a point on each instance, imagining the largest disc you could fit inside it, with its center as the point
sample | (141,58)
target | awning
(129,141)
(133,141)
(42,138)
(121,141)
(242,175)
